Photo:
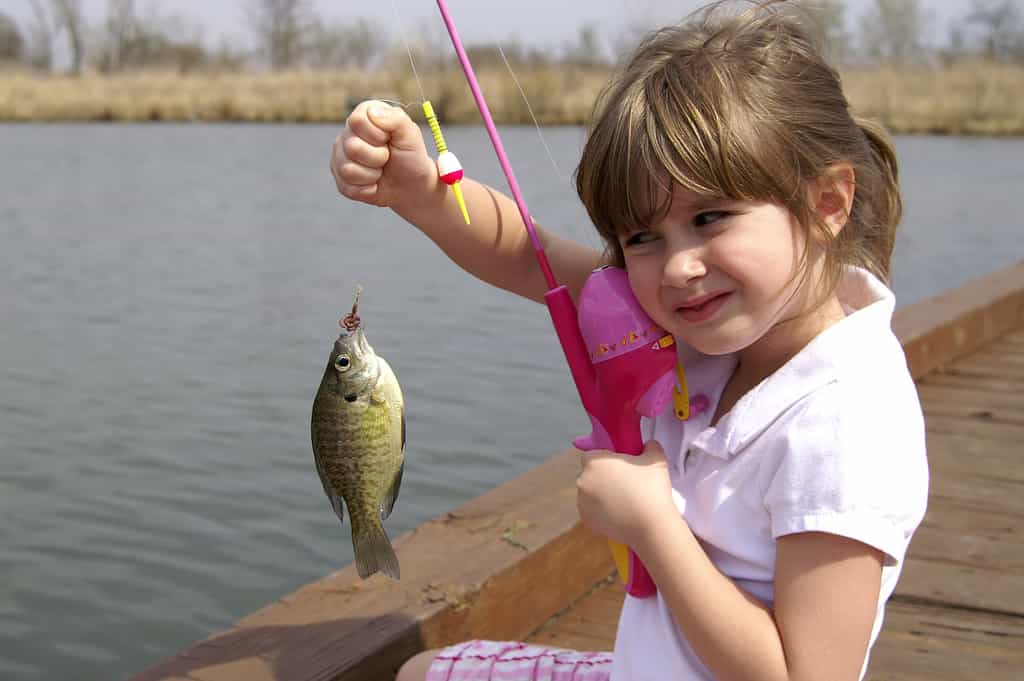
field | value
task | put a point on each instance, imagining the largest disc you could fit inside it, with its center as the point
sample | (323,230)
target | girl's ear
(832,196)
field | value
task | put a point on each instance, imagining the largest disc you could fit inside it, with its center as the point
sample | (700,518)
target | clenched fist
(380,157)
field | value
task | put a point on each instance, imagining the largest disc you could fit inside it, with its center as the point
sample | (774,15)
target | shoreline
(899,130)
(963,99)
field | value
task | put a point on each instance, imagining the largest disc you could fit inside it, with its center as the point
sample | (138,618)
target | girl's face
(725,276)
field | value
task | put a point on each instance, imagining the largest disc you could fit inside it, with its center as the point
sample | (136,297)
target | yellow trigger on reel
(681,395)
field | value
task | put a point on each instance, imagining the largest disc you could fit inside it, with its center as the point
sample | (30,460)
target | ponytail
(877,205)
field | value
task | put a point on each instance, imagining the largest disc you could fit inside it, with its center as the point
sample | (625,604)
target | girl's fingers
(402,133)
(360,124)
(356,174)
(359,150)
(365,193)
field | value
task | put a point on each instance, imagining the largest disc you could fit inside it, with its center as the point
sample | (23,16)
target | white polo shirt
(831,442)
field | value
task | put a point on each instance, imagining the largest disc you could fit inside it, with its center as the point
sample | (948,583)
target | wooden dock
(516,564)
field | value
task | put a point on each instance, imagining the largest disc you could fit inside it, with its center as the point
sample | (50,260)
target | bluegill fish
(358,432)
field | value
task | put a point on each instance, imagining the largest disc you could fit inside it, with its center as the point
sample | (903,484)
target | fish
(358,435)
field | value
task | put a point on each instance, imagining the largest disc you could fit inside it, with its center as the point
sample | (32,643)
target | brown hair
(738,106)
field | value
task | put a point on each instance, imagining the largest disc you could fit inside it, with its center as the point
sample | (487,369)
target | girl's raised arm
(381,159)
(495,247)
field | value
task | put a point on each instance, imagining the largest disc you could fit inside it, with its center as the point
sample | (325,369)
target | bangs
(633,168)
(661,132)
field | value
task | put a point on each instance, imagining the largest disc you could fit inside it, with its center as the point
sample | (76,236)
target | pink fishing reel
(625,367)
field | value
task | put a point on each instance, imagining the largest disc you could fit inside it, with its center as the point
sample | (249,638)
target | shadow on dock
(296,651)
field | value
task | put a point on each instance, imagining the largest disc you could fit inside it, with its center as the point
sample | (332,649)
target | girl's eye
(708,217)
(637,238)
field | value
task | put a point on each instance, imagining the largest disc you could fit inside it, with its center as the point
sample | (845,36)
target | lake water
(168,298)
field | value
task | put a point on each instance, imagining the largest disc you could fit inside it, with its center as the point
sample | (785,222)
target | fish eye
(343,363)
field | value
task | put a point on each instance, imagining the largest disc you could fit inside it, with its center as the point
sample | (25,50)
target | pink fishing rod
(624,366)
(499,148)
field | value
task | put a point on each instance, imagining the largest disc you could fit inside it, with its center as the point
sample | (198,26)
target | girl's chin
(714,349)
(721,342)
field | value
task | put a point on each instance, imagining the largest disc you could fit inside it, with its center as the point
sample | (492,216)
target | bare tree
(355,44)
(1000,26)
(825,21)
(119,30)
(40,49)
(11,42)
(587,51)
(68,16)
(628,38)
(157,39)
(494,55)
(279,26)
(892,30)
(643,18)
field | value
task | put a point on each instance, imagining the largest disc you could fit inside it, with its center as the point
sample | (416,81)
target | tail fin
(373,550)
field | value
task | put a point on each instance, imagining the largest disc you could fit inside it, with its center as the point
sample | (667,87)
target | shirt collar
(868,304)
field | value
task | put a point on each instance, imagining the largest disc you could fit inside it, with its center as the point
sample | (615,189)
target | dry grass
(155,96)
(966,99)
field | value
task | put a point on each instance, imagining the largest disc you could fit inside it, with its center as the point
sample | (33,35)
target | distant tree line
(288,34)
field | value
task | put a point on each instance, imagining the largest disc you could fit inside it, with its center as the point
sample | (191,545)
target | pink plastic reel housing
(623,365)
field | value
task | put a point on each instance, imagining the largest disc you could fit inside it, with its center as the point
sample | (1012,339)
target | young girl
(755,218)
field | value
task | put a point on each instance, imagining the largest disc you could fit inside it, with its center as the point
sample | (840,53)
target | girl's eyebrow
(696,203)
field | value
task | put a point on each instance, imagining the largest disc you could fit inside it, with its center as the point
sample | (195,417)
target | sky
(545,23)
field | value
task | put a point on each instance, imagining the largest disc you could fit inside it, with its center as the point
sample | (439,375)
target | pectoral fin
(332,496)
(388,502)
(337,506)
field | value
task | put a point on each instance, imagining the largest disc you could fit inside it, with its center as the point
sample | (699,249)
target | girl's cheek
(636,279)
(645,289)
(640,271)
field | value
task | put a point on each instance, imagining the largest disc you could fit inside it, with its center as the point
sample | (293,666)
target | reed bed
(963,99)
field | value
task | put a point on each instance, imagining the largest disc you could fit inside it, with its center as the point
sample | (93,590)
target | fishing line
(408,50)
(511,72)
(526,100)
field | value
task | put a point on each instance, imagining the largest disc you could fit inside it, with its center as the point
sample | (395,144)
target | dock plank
(959,453)
(977,398)
(929,643)
(962,378)
(589,624)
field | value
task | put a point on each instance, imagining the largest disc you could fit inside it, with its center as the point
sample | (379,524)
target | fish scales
(358,437)
(364,452)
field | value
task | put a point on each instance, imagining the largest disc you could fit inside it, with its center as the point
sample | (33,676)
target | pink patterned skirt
(510,661)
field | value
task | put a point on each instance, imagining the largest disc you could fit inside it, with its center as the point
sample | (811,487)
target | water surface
(168,298)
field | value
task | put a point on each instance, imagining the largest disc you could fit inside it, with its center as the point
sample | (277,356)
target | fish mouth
(354,342)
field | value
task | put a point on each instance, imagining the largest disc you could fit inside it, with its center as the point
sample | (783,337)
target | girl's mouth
(705,309)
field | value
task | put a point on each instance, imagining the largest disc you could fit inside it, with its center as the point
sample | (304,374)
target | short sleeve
(849,467)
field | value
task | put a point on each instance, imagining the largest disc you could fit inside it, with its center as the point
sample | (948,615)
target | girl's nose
(683,266)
